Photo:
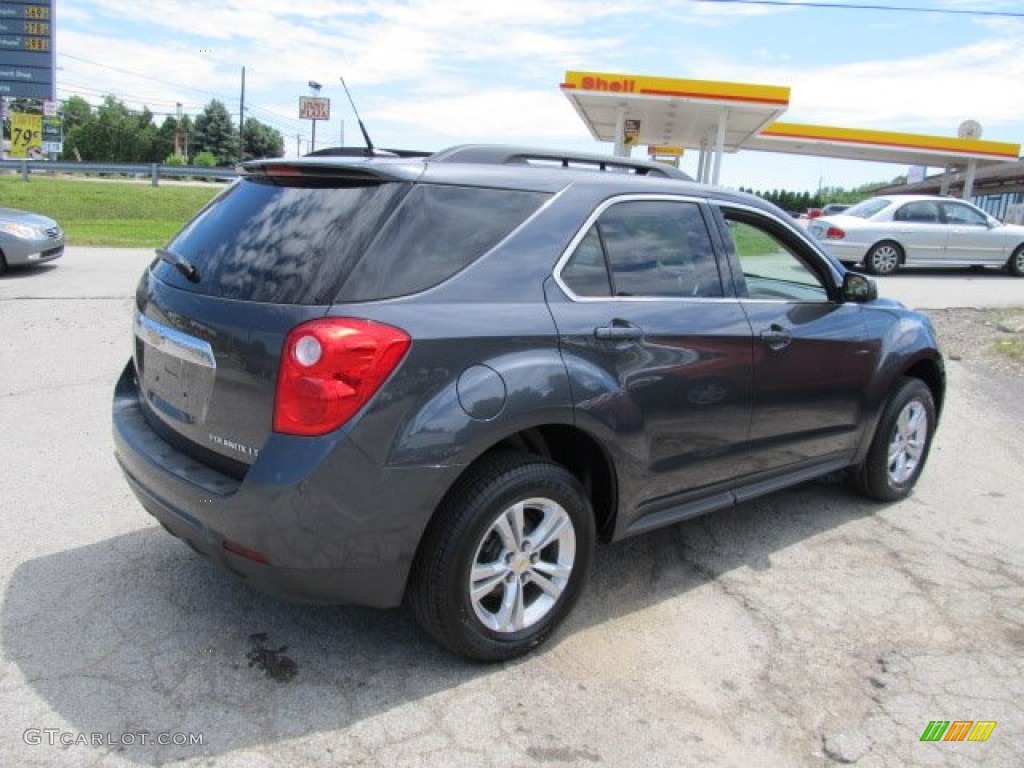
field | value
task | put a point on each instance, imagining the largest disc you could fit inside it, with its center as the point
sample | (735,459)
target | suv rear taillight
(330,368)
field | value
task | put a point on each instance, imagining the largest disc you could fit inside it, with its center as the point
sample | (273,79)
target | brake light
(834,233)
(329,369)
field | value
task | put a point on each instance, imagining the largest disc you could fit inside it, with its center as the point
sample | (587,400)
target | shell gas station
(671,115)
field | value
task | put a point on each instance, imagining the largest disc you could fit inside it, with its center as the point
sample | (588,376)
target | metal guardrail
(155,171)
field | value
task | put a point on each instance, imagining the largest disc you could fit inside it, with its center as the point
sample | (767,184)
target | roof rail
(496,154)
(362,152)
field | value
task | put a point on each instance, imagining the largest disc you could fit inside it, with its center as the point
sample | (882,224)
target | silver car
(28,238)
(886,233)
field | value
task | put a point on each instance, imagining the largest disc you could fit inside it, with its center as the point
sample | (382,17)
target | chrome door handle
(776,337)
(619,332)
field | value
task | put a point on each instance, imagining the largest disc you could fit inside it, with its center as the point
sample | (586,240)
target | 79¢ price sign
(26,136)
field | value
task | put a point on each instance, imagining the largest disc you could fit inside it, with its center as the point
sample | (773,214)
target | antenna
(366,136)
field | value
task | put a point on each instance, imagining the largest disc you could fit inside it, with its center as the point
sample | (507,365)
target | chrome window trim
(594,216)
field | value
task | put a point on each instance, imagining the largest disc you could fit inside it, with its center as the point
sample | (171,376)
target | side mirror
(859,288)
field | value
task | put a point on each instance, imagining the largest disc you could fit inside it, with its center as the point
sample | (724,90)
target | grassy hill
(108,212)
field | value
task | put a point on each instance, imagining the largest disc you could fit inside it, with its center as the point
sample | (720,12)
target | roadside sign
(631,132)
(27,49)
(26,136)
(53,140)
(314,108)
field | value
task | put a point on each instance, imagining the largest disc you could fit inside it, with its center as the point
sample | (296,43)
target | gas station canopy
(724,117)
(886,146)
(633,109)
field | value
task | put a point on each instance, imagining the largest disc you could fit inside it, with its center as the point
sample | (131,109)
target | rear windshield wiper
(180,263)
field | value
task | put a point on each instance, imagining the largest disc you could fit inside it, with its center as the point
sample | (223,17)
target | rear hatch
(212,312)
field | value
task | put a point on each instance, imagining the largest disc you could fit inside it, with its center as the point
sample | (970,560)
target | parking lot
(806,628)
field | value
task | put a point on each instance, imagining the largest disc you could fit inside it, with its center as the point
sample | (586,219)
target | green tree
(260,140)
(75,111)
(114,133)
(215,133)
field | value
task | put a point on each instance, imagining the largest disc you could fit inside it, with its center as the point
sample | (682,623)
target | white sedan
(886,233)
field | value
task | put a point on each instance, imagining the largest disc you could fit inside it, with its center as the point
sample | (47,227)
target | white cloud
(927,93)
(935,92)
(500,115)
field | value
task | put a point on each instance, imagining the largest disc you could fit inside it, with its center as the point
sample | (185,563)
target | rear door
(812,357)
(659,355)
(919,228)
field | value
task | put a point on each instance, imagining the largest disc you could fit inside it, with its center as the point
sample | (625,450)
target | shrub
(205,159)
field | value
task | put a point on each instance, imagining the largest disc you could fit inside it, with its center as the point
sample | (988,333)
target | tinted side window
(774,266)
(649,248)
(437,231)
(586,272)
(957,213)
(924,211)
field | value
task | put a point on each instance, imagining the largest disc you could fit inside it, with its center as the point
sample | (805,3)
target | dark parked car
(443,379)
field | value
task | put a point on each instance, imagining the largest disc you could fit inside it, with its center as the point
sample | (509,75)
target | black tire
(1015,264)
(900,445)
(884,258)
(3,263)
(465,532)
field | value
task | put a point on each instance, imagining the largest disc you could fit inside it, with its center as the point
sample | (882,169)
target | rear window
(437,231)
(289,241)
(867,208)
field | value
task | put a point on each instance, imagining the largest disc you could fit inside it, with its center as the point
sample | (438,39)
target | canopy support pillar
(723,119)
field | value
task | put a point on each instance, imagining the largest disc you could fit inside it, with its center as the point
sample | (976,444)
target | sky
(427,74)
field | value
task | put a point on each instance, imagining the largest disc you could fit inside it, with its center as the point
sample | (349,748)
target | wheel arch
(900,248)
(931,372)
(565,445)
(583,456)
(1013,261)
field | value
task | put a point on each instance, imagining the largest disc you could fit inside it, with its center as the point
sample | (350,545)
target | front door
(813,358)
(971,239)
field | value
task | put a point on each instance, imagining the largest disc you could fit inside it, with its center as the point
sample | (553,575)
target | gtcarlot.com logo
(53,737)
(958,730)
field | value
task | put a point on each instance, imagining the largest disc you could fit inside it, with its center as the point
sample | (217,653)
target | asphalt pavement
(810,627)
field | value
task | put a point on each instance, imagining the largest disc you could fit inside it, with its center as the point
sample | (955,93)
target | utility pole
(241,121)
(180,140)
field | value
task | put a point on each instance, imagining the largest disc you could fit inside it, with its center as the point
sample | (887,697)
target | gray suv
(443,379)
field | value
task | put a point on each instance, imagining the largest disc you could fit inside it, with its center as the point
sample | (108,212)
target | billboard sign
(26,49)
(314,108)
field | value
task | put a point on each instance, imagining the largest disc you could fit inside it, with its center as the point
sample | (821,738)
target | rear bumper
(845,252)
(313,519)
